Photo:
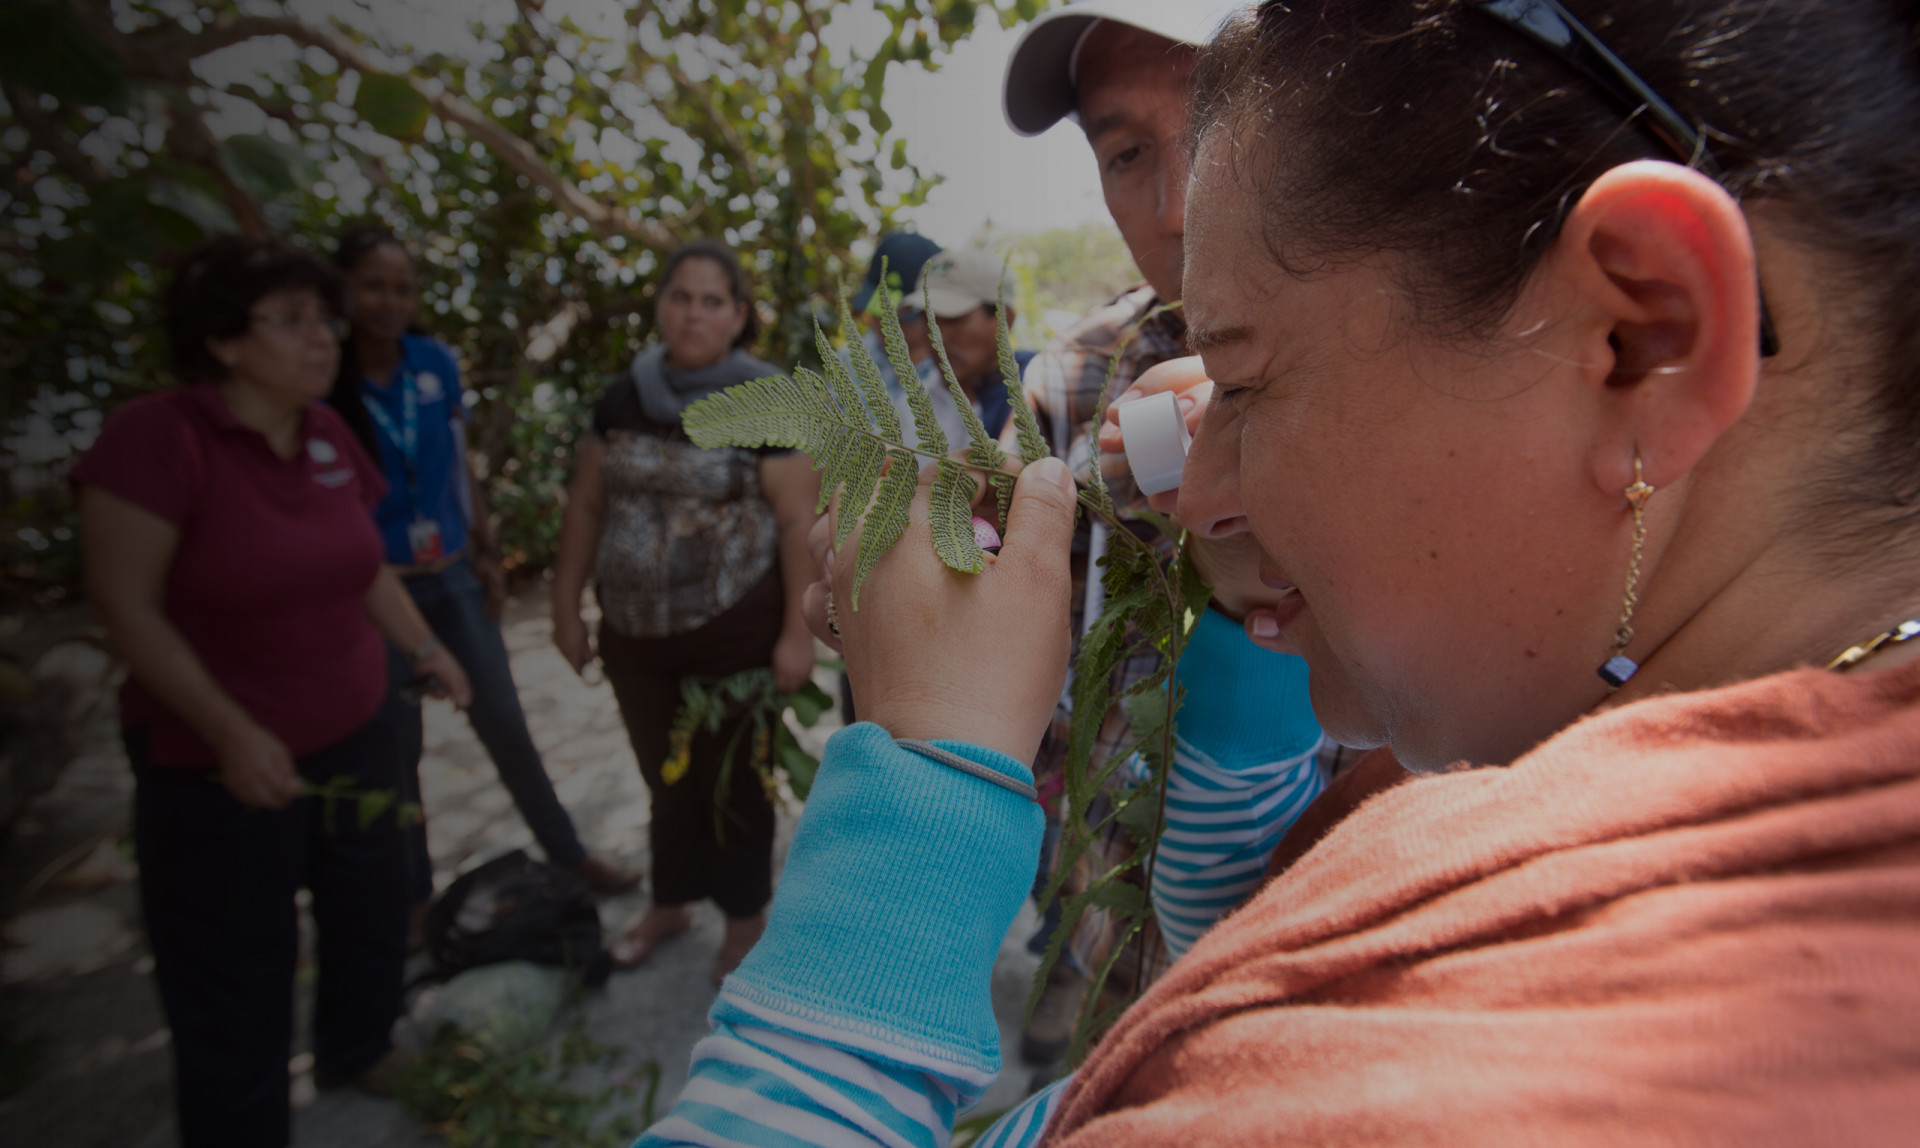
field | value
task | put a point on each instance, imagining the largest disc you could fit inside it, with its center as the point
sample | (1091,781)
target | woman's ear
(1661,257)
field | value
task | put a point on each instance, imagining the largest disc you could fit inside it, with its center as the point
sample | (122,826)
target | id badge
(424,537)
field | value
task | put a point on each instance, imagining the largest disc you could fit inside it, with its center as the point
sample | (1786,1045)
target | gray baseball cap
(1039,87)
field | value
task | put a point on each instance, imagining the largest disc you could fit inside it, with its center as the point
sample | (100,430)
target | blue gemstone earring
(1619,669)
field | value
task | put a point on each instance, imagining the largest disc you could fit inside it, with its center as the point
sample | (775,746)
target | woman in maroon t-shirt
(230,552)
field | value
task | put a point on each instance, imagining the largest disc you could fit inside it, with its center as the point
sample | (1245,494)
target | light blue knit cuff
(1243,705)
(903,877)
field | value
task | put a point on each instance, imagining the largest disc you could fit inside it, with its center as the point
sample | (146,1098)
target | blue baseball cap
(906,254)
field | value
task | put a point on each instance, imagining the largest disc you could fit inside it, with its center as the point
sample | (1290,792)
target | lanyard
(407,439)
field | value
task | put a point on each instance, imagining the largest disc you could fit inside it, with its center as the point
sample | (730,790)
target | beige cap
(960,281)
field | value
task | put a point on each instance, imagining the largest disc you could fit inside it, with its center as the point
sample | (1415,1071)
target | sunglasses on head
(1549,24)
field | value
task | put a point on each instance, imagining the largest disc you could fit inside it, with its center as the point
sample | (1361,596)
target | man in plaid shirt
(1121,69)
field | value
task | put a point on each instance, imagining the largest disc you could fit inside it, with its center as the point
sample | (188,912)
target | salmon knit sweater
(1691,920)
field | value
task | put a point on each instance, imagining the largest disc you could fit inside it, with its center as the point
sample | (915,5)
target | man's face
(1133,106)
(972,345)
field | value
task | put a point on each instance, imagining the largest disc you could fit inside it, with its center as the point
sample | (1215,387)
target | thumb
(1040,519)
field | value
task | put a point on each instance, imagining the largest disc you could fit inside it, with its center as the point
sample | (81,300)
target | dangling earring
(1619,669)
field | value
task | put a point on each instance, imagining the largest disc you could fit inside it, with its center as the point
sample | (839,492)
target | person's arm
(865,1013)
(393,613)
(792,488)
(128,552)
(580,525)
(1245,766)
(480,542)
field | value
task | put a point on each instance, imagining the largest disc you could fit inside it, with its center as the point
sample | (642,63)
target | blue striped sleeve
(1244,768)
(1222,826)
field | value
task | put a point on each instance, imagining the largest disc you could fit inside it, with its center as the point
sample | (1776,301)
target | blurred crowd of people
(1445,400)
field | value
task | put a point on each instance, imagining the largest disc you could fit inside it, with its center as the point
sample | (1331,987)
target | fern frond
(1033,445)
(841,458)
(774,411)
(861,476)
(841,389)
(887,521)
(1003,484)
(982,451)
(873,391)
(951,516)
(933,440)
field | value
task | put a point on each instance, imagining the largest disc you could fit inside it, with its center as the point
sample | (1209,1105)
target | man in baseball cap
(1121,70)
(962,289)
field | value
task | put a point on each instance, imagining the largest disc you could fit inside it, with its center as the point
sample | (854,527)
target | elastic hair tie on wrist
(934,753)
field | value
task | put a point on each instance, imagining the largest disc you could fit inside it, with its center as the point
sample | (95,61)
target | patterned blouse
(688,531)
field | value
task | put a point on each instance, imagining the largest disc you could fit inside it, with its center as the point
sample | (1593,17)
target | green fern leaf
(951,516)
(774,411)
(836,455)
(1096,484)
(933,440)
(841,388)
(867,376)
(982,451)
(861,476)
(887,521)
(1033,445)
(1003,484)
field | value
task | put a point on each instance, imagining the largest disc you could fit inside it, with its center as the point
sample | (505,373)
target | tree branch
(168,57)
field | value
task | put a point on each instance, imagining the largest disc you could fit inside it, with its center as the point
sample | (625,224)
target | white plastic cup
(1156,439)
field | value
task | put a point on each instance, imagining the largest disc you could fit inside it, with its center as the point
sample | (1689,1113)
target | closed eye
(1125,158)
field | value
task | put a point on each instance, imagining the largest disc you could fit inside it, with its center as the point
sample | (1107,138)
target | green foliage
(539,169)
(367,805)
(1148,607)
(474,1098)
(45,48)
(758,712)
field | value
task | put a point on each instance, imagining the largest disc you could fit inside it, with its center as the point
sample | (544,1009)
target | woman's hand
(1192,390)
(574,643)
(792,659)
(449,677)
(257,768)
(1230,565)
(935,654)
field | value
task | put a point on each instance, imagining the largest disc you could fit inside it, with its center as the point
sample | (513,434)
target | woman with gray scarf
(699,559)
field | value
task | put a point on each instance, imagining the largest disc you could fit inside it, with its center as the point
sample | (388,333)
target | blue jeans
(454,604)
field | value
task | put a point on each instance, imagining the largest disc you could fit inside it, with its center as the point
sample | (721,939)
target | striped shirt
(1222,826)
(761,1078)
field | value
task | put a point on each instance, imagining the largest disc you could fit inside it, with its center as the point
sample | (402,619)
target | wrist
(424,650)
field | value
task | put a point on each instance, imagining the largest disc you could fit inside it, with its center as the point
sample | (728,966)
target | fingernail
(1263,626)
(829,565)
(1186,405)
(1055,471)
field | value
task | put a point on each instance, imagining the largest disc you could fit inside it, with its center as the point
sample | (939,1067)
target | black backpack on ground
(514,908)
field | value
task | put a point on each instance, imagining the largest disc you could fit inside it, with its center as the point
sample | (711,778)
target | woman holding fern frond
(698,558)
(1578,429)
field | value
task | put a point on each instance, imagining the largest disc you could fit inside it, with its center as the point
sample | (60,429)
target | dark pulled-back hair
(356,244)
(215,286)
(719,253)
(1430,130)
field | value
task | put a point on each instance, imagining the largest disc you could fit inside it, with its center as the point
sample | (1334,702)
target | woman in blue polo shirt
(400,391)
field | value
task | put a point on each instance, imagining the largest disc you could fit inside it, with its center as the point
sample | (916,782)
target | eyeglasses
(289,322)
(1549,24)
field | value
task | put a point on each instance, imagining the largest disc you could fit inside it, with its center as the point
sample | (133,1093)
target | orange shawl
(1692,920)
